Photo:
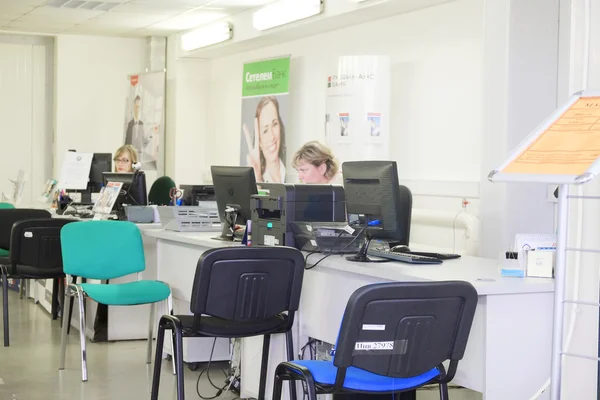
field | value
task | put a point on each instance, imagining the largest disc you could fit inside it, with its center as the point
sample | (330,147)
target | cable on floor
(220,390)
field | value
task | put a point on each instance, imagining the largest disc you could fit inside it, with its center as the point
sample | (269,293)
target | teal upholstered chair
(104,250)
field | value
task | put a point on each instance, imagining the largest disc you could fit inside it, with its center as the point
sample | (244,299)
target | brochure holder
(564,149)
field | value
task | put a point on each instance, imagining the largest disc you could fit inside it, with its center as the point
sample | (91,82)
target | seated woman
(125,157)
(315,164)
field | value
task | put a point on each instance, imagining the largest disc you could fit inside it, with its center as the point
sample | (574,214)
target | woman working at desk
(125,157)
(315,164)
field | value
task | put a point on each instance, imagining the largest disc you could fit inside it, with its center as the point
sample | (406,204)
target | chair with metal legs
(394,338)
(35,253)
(103,250)
(237,292)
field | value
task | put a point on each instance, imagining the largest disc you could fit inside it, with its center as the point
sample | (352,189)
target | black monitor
(101,162)
(233,188)
(133,191)
(375,198)
(194,194)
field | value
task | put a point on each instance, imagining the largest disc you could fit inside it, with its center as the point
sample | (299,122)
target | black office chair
(394,338)
(160,191)
(35,253)
(8,216)
(237,292)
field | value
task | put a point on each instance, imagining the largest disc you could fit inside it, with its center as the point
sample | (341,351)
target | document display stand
(564,149)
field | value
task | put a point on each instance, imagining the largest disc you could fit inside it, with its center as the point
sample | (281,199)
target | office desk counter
(508,355)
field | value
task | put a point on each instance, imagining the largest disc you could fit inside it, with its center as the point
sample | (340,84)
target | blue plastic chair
(394,338)
(104,250)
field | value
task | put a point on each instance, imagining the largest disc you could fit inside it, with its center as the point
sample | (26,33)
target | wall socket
(552,193)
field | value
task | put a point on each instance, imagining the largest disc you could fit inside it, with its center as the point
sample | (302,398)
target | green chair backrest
(159,192)
(4,205)
(102,249)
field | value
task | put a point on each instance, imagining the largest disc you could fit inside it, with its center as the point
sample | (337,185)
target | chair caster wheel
(193,366)
(169,358)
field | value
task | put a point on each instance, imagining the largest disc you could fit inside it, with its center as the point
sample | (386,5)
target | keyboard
(404,257)
(439,256)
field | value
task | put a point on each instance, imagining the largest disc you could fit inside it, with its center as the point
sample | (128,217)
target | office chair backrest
(404,329)
(248,283)
(8,217)
(36,242)
(102,249)
(405,209)
(4,206)
(160,191)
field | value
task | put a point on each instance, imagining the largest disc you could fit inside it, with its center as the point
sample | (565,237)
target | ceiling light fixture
(83,4)
(206,36)
(285,11)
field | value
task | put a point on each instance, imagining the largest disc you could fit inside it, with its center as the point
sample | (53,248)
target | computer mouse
(401,248)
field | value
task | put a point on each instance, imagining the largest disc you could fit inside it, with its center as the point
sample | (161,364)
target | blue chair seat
(127,294)
(324,372)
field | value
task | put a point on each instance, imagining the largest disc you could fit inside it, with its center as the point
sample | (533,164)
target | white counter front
(508,355)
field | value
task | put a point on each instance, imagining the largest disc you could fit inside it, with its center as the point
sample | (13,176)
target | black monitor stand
(231,214)
(361,256)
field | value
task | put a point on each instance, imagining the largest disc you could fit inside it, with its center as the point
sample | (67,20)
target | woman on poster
(267,154)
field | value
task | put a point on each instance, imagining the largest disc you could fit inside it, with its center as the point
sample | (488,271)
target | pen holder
(509,265)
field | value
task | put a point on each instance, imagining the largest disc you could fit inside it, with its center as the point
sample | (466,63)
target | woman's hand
(253,157)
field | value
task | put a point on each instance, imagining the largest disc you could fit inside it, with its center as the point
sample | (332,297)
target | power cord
(358,235)
(220,390)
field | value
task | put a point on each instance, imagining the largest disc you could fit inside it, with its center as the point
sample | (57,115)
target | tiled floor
(117,371)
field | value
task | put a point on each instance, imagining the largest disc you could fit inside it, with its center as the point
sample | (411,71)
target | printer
(277,208)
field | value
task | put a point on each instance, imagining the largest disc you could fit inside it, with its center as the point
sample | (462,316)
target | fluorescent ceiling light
(285,11)
(206,36)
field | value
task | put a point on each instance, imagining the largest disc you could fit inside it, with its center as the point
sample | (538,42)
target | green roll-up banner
(265,110)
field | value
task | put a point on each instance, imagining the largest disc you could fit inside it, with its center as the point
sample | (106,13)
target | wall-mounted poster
(358,104)
(265,111)
(144,118)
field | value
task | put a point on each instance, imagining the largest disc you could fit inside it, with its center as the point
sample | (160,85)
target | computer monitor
(233,188)
(376,199)
(101,163)
(133,191)
(194,194)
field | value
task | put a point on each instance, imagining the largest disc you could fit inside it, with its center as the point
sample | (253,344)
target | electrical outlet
(552,193)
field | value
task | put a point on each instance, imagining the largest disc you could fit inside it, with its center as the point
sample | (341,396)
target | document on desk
(75,170)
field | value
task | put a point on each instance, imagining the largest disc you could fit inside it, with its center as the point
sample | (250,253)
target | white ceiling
(135,18)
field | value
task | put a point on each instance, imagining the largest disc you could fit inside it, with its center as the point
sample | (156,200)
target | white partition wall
(26,63)
(358,108)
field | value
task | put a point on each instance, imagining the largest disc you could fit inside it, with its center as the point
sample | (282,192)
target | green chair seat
(4,253)
(127,294)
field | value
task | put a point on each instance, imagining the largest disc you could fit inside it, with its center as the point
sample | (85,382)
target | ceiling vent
(83,5)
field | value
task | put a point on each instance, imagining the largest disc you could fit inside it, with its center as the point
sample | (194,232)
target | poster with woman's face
(264,136)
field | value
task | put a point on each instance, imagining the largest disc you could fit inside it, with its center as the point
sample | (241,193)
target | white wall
(188,86)
(26,68)
(91,88)
(436,93)
(436,110)
(521,67)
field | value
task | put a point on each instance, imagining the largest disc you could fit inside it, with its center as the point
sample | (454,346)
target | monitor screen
(374,196)
(233,187)
(101,163)
(133,191)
